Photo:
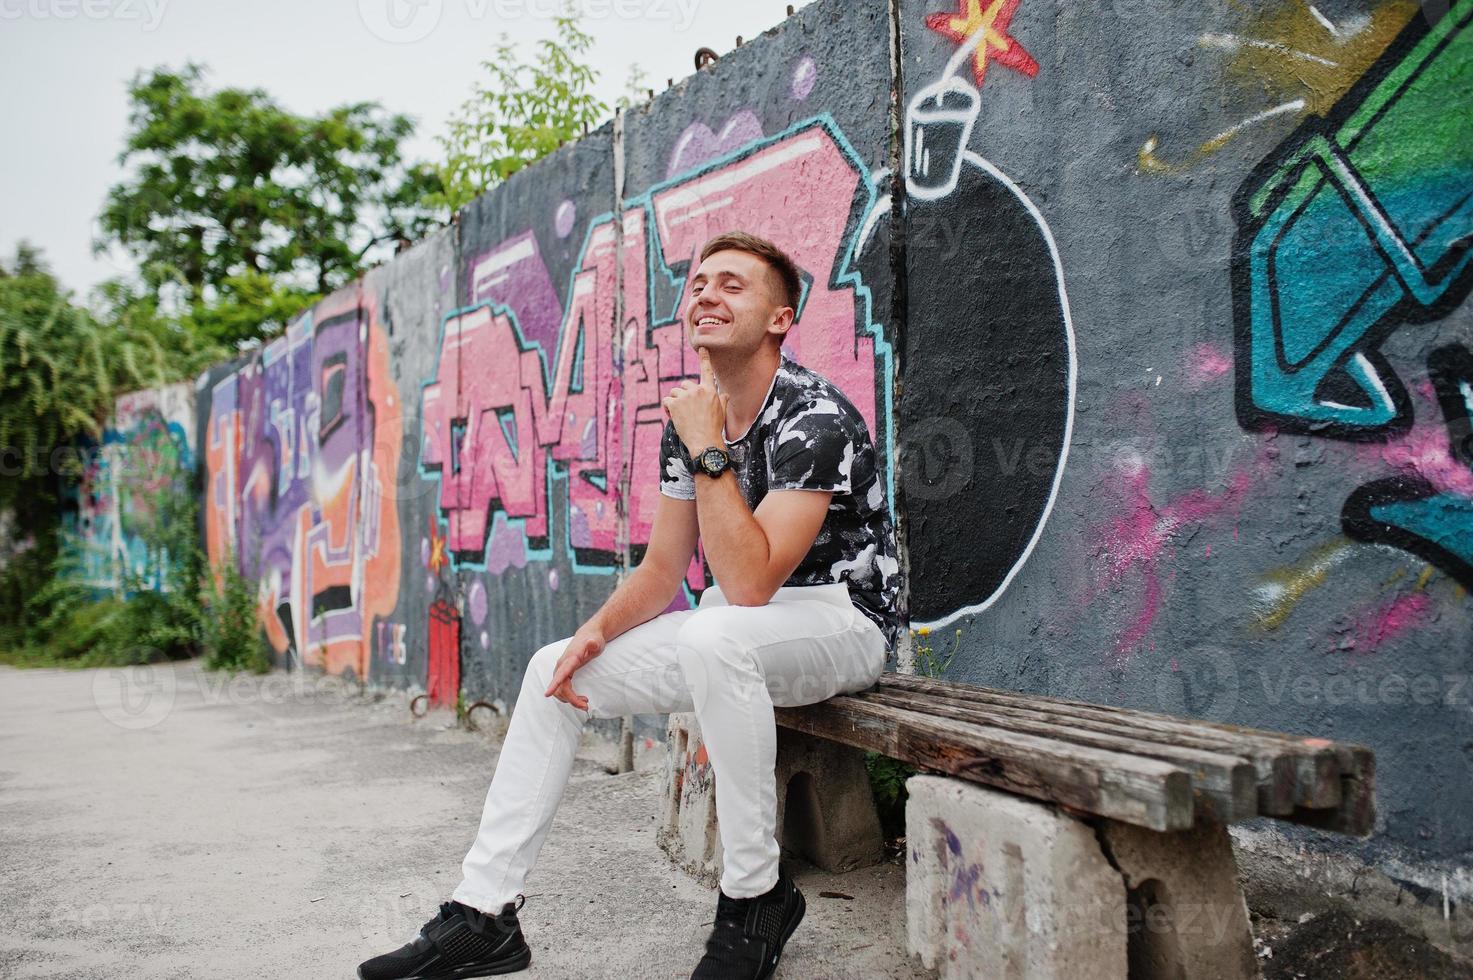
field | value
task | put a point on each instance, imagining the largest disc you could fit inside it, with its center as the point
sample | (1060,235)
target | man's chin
(712,344)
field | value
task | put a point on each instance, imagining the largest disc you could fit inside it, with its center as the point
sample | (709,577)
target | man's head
(744,294)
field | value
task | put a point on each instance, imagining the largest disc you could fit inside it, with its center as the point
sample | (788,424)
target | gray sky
(65,64)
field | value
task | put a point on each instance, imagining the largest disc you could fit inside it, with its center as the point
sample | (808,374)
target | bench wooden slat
(1274,771)
(1315,762)
(1356,812)
(1227,784)
(1133,789)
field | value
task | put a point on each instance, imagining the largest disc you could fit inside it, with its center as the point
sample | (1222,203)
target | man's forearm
(638,599)
(736,546)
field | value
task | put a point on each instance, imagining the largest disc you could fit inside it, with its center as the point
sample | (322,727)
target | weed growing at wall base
(887,776)
(230,637)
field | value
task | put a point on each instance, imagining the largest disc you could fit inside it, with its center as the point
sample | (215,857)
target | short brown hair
(777,260)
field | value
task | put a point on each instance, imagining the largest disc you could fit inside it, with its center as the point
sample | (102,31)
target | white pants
(728,664)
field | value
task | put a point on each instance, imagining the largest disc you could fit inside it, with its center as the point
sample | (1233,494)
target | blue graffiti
(1361,223)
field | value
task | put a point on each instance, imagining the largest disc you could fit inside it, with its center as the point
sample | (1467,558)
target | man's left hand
(698,409)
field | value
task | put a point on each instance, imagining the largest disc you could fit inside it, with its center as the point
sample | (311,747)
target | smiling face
(735,304)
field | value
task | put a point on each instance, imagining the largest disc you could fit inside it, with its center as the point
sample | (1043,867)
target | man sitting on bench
(796,529)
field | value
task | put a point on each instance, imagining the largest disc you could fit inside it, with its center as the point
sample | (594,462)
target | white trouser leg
(805,645)
(731,665)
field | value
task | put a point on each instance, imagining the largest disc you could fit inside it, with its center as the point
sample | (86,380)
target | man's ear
(782,321)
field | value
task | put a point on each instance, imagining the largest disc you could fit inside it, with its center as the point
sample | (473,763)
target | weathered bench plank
(1304,780)
(1276,771)
(1137,790)
(1313,762)
(1356,812)
(1227,784)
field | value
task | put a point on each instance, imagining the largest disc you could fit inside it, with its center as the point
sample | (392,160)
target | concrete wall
(1251,220)
(1157,311)
(112,514)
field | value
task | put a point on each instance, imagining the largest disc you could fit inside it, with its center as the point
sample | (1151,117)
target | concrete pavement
(168,822)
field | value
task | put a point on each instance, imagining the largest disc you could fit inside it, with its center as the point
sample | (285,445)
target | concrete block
(825,809)
(1186,917)
(688,826)
(1000,887)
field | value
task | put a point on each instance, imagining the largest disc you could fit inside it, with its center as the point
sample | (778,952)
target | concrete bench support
(1001,886)
(825,810)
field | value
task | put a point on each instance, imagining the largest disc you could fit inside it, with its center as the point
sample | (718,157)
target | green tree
(636,88)
(232,198)
(61,369)
(191,346)
(526,111)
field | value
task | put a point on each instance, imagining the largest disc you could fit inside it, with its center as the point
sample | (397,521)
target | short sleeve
(814,448)
(675,477)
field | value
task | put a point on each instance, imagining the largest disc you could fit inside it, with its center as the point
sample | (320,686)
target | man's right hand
(586,644)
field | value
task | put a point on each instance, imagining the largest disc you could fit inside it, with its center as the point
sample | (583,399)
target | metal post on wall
(625,761)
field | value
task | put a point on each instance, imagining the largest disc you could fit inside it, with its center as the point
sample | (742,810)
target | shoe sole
(788,930)
(519,962)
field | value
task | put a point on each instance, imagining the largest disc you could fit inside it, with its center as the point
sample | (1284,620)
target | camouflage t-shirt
(808,436)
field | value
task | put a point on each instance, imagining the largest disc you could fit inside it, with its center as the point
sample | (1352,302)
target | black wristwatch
(713,461)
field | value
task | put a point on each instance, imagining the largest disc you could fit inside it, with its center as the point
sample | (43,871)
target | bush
(887,778)
(25,559)
(230,636)
(69,622)
(80,626)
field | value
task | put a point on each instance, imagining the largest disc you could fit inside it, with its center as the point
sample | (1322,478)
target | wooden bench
(1156,771)
(1106,817)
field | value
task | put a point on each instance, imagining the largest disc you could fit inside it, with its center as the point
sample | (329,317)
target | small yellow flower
(924,631)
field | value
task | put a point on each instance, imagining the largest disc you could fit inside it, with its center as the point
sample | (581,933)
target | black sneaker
(750,933)
(459,943)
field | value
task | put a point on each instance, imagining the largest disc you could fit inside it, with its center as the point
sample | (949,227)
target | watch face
(713,460)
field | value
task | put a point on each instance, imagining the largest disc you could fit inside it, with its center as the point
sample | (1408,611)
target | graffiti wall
(528,455)
(302,450)
(113,514)
(1158,313)
(1208,451)
(411,296)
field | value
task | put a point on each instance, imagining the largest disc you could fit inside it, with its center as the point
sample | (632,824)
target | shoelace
(448,911)
(731,909)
